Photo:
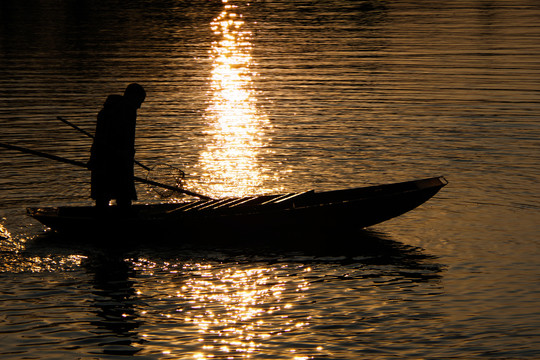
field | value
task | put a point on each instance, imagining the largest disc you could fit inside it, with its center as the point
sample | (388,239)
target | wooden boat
(358,207)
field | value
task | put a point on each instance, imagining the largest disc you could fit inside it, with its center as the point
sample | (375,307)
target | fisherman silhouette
(113,149)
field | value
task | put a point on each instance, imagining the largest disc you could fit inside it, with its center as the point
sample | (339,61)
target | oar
(83,165)
(92,136)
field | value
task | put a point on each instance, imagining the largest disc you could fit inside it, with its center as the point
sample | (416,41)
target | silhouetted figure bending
(113,150)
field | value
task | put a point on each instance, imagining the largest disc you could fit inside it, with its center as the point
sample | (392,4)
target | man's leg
(102,206)
(102,203)
(124,204)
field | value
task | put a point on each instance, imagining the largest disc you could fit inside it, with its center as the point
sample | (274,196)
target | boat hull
(351,208)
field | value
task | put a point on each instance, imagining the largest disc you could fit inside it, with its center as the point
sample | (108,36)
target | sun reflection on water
(228,312)
(236,304)
(237,129)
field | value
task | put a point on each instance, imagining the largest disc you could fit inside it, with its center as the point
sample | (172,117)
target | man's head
(135,94)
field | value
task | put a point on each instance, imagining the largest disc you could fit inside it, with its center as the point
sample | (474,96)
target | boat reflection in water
(230,164)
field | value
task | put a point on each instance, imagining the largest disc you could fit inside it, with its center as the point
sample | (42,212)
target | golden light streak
(236,128)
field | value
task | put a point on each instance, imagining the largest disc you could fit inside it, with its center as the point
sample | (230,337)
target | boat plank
(254,200)
(294,197)
(186,206)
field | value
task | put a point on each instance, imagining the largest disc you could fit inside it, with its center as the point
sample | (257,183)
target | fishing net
(166,174)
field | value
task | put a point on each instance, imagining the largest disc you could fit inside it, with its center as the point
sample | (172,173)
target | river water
(269,96)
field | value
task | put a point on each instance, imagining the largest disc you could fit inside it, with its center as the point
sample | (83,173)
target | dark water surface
(270,96)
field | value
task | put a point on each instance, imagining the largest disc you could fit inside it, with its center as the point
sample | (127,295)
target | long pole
(83,165)
(92,136)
